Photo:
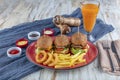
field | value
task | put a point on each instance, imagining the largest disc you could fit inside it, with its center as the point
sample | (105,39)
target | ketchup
(14,51)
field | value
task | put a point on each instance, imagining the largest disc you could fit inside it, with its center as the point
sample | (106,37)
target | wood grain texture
(13,12)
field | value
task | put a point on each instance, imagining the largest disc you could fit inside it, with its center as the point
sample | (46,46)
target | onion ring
(50,56)
(41,60)
(54,62)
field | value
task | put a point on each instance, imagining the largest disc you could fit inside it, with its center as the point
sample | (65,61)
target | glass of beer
(89,12)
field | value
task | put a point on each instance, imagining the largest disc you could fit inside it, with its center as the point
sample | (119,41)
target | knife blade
(115,51)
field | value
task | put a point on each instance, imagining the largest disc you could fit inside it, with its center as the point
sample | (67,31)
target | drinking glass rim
(90,1)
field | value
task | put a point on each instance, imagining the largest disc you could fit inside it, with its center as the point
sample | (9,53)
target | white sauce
(48,32)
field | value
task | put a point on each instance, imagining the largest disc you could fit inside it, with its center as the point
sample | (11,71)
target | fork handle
(110,60)
(118,60)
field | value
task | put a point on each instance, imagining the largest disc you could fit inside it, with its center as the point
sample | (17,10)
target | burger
(44,43)
(78,43)
(62,44)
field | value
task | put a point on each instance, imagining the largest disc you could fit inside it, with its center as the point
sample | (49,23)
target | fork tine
(106,44)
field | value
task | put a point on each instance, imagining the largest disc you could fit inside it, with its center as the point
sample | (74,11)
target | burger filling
(77,49)
(62,49)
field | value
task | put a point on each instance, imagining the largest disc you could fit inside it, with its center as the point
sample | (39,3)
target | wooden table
(13,12)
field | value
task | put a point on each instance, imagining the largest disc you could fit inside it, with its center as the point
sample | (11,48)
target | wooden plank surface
(13,12)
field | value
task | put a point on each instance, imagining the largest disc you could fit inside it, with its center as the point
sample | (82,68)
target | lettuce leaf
(75,51)
(37,51)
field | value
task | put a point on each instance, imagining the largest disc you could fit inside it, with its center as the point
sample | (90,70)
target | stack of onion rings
(47,58)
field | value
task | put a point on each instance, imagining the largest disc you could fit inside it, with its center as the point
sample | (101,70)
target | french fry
(52,52)
(84,60)
(64,55)
(61,66)
(64,64)
(64,58)
(80,56)
(75,56)
(63,61)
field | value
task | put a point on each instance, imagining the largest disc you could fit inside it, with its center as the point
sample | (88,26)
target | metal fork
(106,46)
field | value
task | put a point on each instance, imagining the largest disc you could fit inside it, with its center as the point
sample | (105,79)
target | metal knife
(115,51)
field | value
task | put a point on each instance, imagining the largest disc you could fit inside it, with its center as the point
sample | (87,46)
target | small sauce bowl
(34,35)
(22,42)
(48,31)
(14,52)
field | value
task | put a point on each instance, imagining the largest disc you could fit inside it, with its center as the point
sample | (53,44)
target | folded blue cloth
(16,68)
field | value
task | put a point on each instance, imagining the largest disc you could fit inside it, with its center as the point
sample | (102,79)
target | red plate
(90,56)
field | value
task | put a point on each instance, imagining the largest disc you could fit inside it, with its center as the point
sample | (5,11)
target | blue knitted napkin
(16,68)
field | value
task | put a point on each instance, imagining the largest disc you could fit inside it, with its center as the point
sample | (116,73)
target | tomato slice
(59,49)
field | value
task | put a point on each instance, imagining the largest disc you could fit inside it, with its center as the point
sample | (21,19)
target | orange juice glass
(89,12)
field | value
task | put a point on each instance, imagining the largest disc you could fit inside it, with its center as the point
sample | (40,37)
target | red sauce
(14,51)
